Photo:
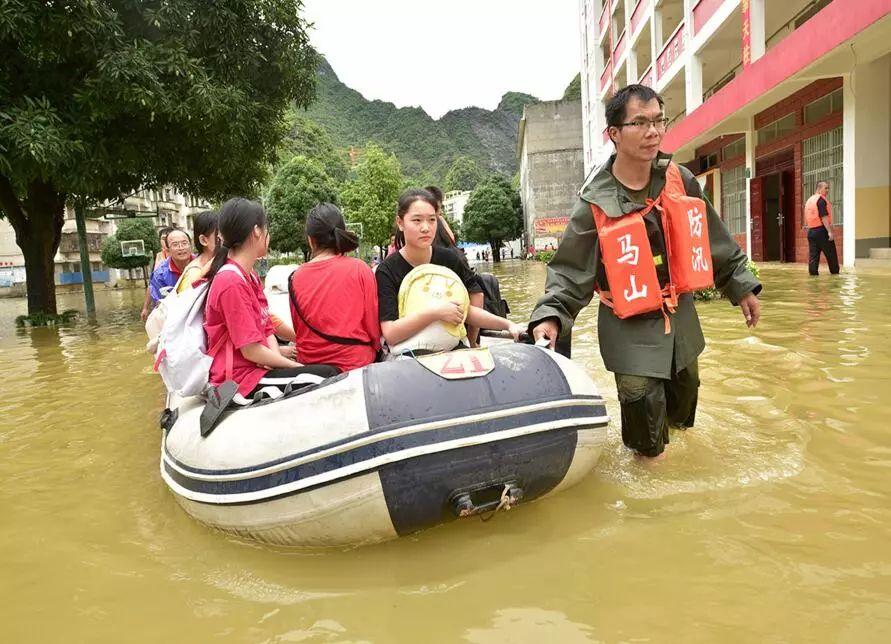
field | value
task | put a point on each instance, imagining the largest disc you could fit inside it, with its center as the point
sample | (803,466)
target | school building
(765,97)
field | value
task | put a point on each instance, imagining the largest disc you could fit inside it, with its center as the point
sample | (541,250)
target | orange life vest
(812,213)
(628,258)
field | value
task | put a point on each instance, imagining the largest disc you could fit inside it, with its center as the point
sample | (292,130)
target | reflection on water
(768,521)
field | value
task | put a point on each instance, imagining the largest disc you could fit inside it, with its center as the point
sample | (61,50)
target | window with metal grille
(822,160)
(733,199)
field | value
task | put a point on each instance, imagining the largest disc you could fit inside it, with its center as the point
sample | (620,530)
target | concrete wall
(872,198)
(551,166)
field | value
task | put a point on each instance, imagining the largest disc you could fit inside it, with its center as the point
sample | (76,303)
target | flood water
(770,521)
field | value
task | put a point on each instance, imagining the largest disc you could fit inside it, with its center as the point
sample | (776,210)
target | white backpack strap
(232,269)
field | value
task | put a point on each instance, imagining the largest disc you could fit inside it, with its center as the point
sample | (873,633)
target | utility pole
(85,270)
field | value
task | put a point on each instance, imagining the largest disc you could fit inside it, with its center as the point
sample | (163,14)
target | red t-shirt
(236,306)
(337,296)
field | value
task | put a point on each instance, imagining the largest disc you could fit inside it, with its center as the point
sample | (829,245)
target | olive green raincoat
(639,345)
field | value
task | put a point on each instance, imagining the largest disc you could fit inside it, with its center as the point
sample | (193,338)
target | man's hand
(546,329)
(831,236)
(751,309)
(144,314)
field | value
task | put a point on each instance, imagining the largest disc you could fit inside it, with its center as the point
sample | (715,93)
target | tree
(309,139)
(492,215)
(573,91)
(298,186)
(370,199)
(464,174)
(101,98)
(131,230)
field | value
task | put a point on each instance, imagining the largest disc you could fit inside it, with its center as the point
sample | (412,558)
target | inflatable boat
(390,449)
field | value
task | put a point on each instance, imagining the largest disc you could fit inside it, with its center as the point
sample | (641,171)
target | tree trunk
(37,221)
(496,250)
(40,271)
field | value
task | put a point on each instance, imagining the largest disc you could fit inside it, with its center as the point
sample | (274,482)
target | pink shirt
(236,306)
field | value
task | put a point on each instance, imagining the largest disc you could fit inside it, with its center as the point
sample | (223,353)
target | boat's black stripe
(374,450)
(597,410)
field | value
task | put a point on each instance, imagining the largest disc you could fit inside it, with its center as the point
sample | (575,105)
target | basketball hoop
(133,248)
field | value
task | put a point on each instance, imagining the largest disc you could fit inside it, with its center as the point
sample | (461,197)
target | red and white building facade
(765,97)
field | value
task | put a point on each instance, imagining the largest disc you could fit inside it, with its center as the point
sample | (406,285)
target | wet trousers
(818,242)
(650,405)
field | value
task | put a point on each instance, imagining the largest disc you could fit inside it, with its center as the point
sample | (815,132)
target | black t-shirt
(822,210)
(394,268)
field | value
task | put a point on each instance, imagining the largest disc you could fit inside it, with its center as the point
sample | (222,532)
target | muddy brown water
(769,521)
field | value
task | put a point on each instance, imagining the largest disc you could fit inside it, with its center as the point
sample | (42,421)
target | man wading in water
(616,243)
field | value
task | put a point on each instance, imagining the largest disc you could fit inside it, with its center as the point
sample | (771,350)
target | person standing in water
(616,244)
(818,221)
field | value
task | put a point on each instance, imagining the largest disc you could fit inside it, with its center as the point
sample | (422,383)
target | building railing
(604,21)
(619,49)
(671,52)
(647,77)
(606,76)
(703,10)
(638,16)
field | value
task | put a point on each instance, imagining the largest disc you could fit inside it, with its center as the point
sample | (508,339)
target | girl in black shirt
(416,218)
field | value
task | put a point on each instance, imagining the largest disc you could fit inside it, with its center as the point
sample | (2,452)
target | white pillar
(750,170)
(693,82)
(657,32)
(631,71)
(850,176)
(757,33)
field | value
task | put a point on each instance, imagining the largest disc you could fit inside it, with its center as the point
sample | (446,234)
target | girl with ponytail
(334,297)
(236,309)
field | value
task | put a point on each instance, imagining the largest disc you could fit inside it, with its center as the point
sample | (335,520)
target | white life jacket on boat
(426,286)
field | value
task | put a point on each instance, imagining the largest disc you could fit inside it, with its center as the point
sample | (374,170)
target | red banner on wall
(550,225)
(746,33)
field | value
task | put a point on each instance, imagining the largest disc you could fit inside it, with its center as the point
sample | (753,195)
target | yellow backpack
(426,286)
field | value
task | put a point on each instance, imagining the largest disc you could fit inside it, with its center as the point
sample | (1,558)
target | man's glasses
(644,124)
(179,244)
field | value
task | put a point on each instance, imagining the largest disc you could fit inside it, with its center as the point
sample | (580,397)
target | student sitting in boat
(416,218)
(204,230)
(237,308)
(333,297)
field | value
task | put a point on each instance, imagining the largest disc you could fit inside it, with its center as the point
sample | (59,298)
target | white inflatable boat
(391,448)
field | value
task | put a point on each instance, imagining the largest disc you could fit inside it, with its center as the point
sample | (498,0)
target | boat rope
(505,503)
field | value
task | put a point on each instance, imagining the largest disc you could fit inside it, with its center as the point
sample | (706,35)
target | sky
(448,54)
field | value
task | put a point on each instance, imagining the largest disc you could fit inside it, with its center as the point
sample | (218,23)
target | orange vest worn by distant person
(629,262)
(812,213)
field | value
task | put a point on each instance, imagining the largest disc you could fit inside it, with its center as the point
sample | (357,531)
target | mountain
(424,146)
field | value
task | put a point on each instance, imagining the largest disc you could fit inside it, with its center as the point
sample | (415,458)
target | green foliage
(544,255)
(298,186)
(464,174)
(574,89)
(101,98)
(708,294)
(46,319)
(307,138)
(493,214)
(370,199)
(129,230)
(425,147)
(514,102)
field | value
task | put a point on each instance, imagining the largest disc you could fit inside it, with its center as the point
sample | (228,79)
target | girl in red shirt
(334,297)
(237,308)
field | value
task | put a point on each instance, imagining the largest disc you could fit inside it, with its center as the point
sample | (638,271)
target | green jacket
(639,345)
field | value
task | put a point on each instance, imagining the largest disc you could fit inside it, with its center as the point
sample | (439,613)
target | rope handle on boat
(505,502)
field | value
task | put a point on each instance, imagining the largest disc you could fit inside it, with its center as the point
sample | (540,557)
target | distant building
(453,204)
(169,208)
(551,168)
(765,97)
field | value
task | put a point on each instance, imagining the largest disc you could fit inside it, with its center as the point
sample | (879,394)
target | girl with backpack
(416,218)
(333,297)
(236,309)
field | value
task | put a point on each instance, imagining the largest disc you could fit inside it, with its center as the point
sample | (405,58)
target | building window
(735,149)
(823,107)
(733,199)
(822,159)
(709,161)
(776,130)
